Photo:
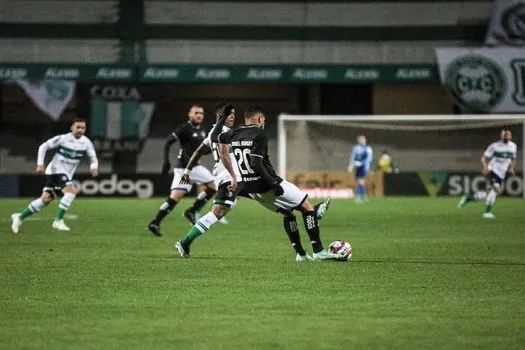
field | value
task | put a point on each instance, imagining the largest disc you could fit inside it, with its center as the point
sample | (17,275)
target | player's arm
(351,163)
(485,159)
(512,166)
(199,152)
(224,152)
(52,143)
(369,156)
(170,140)
(93,165)
(259,146)
(217,135)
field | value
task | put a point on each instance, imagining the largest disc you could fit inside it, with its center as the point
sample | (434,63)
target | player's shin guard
(200,227)
(202,199)
(291,228)
(164,210)
(491,199)
(33,207)
(312,228)
(64,205)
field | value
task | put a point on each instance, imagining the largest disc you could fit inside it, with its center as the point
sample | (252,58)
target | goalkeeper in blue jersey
(360,161)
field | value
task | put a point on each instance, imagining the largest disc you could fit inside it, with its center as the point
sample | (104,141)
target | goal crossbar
(282,139)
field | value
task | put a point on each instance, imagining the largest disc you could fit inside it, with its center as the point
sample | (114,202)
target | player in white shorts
(498,160)
(249,144)
(70,149)
(190,135)
(226,184)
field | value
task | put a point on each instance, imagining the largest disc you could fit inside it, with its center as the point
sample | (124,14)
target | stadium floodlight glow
(389,122)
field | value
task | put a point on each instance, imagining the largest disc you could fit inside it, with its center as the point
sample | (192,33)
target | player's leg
(224,201)
(178,191)
(495,189)
(292,230)
(34,207)
(294,198)
(361,189)
(200,175)
(478,196)
(69,193)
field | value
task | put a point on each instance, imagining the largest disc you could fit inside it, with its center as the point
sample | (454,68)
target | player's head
(78,127)
(219,110)
(255,115)
(506,135)
(196,114)
(361,139)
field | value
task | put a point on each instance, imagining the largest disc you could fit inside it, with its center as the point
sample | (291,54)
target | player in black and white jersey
(227,179)
(249,144)
(190,135)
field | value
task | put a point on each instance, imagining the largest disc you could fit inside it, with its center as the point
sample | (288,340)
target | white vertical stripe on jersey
(113,118)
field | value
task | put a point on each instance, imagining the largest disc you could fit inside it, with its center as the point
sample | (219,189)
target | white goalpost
(418,142)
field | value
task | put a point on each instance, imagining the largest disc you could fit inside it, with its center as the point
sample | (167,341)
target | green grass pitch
(424,275)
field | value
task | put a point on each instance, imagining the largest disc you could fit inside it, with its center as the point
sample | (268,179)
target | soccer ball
(342,249)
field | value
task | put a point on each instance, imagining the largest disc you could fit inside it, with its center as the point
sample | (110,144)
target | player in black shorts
(249,145)
(190,135)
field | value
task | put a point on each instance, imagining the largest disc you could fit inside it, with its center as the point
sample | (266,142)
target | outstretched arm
(170,140)
(199,152)
(224,151)
(42,150)
(93,166)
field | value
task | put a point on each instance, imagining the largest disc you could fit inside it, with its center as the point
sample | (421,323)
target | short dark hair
(78,120)
(252,111)
(195,106)
(219,107)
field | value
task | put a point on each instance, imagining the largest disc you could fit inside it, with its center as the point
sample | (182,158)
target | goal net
(442,152)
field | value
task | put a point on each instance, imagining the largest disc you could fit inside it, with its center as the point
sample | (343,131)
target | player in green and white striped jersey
(498,160)
(70,149)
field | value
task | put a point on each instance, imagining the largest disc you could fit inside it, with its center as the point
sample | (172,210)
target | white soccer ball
(342,249)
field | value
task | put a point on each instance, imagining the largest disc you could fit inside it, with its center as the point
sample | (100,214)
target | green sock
(193,233)
(488,208)
(60,214)
(25,213)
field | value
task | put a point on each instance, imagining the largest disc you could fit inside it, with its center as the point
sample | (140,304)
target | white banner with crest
(507,25)
(484,79)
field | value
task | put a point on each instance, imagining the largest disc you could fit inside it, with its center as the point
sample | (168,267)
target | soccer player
(190,135)
(70,149)
(360,160)
(249,144)
(227,177)
(498,160)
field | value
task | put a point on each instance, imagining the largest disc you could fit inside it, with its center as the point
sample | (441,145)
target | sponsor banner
(321,184)
(289,73)
(105,185)
(436,184)
(484,79)
(50,96)
(507,24)
(37,71)
(8,185)
(191,73)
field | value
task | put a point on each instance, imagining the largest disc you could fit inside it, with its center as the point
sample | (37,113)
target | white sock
(491,198)
(206,222)
(66,201)
(480,196)
(36,205)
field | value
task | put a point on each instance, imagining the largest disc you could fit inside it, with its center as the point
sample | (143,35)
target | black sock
(201,200)
(312,228)
(164,210)
(291,228)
